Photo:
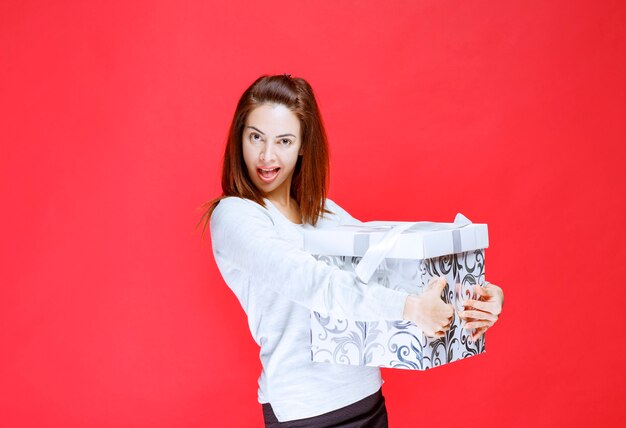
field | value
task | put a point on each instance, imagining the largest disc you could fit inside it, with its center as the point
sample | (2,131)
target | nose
(267,153)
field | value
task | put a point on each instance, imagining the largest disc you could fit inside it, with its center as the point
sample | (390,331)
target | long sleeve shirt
(260,255)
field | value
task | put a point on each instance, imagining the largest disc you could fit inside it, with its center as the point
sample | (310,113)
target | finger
(492,307)
(478,315)
(434,281)
(450,310)
(444,318)
(445,311)
(490,285)
(479,332)
(477,324)
(480,305)
(440,284)
(432,333)
(481,291)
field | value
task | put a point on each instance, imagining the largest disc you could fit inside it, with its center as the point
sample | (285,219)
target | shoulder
(234,209)
(333,207)
(338,214)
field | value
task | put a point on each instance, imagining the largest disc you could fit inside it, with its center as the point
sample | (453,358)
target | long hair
(310,177)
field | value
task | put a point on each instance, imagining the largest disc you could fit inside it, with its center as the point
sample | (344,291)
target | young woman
(274,181)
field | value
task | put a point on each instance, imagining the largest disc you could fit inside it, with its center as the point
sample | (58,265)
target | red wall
(113,118)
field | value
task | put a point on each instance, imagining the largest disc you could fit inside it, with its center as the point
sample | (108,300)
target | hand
(482,313)
(428,311)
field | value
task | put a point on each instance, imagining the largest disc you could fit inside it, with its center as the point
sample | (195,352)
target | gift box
(402,256)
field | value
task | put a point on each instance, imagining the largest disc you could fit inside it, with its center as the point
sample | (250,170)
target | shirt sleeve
(244,238)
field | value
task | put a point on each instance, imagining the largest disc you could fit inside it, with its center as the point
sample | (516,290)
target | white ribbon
(375,254)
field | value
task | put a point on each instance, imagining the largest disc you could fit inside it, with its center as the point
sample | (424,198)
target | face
(271,146)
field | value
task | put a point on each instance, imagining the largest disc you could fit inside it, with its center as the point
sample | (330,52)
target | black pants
(369,412)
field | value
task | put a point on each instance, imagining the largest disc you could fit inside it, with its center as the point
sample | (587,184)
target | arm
(427,310)
(244,239)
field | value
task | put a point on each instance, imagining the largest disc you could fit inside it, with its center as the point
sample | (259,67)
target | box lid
(415,240)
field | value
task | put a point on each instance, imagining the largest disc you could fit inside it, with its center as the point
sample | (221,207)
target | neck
(282,200)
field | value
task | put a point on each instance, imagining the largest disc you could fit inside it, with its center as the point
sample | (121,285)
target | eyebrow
(262,133)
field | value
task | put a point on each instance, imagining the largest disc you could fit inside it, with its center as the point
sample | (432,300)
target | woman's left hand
(482,313)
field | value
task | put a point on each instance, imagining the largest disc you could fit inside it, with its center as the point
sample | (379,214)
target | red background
(113,118)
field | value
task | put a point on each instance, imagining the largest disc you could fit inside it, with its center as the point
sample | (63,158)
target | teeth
(269,172)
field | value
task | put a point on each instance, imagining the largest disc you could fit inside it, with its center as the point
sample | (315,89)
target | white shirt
(260,255)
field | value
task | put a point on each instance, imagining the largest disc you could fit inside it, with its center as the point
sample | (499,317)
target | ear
(301,151)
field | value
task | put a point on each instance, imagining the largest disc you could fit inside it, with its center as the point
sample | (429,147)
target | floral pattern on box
(400,344)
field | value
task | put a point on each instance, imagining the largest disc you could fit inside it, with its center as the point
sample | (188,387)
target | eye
(255,137)
(285,141)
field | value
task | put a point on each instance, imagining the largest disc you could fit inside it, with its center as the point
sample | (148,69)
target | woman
(274,180)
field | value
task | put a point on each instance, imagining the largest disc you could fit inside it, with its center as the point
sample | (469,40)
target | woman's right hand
(428,311)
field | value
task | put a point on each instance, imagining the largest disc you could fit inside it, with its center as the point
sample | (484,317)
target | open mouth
(268,174)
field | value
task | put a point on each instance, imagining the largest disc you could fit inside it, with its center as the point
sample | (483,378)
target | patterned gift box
(402,256)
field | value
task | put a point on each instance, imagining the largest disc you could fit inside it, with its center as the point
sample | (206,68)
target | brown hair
(310,177)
